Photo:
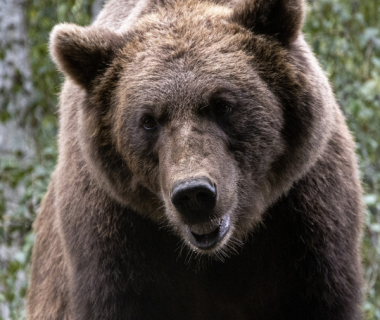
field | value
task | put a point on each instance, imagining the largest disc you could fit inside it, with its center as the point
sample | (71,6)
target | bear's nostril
(194,199)
(205,198)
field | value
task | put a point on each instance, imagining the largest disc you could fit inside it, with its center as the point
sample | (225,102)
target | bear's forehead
(175,92)
(174,64)
(191,28)
(194,39)
(183,56)
(186,80)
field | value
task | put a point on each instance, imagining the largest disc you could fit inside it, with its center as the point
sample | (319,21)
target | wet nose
(194,198)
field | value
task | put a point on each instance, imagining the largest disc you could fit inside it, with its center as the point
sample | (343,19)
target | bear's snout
(194,199)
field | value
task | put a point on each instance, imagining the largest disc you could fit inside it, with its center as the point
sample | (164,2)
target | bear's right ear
(83,53)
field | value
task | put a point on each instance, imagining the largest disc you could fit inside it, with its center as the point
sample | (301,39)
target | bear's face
(184,117)
(194,118)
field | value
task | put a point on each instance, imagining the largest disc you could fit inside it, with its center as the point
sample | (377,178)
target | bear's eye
(149,123)
(221,107)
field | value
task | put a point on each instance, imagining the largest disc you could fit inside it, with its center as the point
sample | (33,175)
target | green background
(345,36)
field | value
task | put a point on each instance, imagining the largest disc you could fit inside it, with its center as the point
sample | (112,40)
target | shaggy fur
(236,97)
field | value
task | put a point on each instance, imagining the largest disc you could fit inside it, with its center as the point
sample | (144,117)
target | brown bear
(205,171)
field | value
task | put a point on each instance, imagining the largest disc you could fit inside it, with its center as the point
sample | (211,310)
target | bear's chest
(260,281)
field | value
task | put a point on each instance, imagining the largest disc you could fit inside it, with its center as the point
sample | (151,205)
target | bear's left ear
(281,19)
(83,53)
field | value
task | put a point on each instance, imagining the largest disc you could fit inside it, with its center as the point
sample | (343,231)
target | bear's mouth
(207,235)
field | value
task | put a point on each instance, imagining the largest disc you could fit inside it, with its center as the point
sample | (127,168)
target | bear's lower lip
(207,235)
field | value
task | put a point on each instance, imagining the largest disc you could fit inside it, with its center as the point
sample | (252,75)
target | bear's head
(199,115)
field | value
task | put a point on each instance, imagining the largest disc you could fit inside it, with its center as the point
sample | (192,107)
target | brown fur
(110,243)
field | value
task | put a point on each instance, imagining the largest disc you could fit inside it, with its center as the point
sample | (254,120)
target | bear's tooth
(204,228)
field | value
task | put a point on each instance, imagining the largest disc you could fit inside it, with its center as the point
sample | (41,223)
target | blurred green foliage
(32,175)
(344,34)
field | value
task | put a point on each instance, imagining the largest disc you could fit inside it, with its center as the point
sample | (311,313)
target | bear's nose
(194,198)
